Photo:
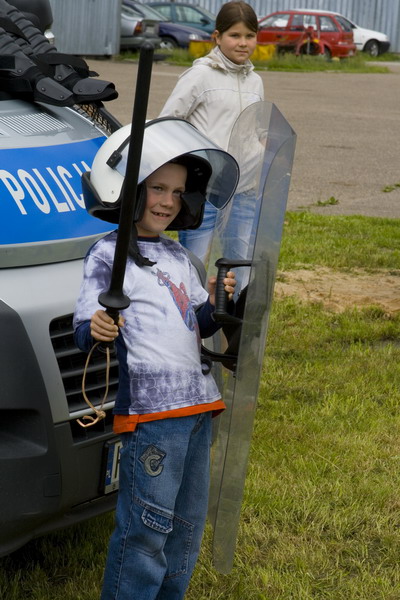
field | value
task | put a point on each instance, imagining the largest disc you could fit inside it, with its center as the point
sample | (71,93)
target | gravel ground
(347,126)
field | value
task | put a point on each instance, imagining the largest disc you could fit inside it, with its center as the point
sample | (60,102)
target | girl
(211,95)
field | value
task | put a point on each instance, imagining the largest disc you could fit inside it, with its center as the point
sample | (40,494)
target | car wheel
(168,43)
(310,48)
(372,48)
(327,54)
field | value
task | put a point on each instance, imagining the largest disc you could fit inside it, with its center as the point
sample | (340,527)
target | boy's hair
(236,12)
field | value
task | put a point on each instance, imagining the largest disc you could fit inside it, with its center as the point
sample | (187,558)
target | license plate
(112,450)
(150,29)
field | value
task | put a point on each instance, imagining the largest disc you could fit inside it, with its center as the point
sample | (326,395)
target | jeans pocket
(152,534)
(157,521)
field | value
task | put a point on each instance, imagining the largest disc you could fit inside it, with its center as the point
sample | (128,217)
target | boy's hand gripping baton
(114,299)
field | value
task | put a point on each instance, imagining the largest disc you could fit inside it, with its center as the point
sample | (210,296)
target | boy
(165,399)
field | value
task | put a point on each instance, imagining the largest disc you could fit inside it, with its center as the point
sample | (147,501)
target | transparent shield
(250,228)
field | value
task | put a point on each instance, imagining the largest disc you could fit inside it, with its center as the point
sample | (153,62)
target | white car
(367,40)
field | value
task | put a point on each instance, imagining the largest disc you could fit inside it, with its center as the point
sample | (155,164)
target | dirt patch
(338,291)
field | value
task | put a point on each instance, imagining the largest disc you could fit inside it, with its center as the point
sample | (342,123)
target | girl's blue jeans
(237,229)
(161,509)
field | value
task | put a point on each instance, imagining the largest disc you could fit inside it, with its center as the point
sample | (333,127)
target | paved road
(348,131)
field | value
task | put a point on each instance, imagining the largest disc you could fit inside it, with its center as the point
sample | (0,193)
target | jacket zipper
(240,93)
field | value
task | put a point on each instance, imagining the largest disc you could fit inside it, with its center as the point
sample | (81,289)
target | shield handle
(221,314)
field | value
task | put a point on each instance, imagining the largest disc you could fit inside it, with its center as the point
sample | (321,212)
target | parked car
(186,14)
(292,30)
(135,29)
(171,35)
(366,40)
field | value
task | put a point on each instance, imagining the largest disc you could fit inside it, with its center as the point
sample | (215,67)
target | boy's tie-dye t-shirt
(159,346)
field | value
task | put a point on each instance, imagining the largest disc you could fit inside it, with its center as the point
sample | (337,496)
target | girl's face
(164,188)
(237,43)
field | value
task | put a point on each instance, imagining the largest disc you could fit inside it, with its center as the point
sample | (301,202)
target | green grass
(340,242)
(386,57)
(178,56)
(290,62)
(286,62)
(321,513)
(391,188)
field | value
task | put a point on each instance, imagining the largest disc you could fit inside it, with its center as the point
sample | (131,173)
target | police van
(53,471)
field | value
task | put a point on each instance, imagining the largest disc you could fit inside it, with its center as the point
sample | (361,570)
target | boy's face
(164,188)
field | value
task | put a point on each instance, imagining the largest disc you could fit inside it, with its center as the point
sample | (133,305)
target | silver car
(135,29)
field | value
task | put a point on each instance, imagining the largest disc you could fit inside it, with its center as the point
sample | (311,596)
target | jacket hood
(217,60)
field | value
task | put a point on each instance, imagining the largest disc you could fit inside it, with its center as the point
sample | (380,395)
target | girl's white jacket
(212,94)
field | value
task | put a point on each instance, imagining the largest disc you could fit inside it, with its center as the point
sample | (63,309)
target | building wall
(87,27)
(92,27)
(381,15)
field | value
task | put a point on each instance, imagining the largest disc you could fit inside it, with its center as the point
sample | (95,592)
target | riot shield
(249,228)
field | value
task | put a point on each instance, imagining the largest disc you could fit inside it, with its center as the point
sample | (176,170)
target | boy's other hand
(103,328)
(229,283)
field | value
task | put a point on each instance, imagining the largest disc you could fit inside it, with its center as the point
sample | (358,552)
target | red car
(308,32)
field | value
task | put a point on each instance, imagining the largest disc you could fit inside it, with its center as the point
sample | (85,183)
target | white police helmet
(212,173)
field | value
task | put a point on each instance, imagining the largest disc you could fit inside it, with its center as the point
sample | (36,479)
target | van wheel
(168,43)
(372,48)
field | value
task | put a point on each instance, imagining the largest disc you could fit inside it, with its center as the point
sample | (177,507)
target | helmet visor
(166,139)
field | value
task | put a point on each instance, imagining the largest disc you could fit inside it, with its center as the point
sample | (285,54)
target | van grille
(71,362)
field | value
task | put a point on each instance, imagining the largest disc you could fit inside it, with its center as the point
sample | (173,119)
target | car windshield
(344,23)
(148,12)
(130,12)
(208,14)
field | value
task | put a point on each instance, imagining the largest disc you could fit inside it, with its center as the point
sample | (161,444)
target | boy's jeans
(161,509)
